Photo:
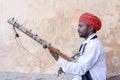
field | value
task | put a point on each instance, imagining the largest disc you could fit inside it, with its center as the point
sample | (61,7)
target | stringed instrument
(37,39)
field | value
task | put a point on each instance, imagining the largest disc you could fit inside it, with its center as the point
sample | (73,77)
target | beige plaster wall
(55,21)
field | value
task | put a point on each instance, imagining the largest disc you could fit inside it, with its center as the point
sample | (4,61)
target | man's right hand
(60,71)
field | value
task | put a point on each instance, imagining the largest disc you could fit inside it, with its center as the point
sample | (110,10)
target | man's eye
(80,25)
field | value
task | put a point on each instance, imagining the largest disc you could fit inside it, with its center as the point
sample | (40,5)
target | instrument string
(20,44)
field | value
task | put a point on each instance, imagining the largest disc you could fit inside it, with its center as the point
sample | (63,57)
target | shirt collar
(89,38)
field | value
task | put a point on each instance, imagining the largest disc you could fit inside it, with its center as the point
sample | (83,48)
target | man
(90,64)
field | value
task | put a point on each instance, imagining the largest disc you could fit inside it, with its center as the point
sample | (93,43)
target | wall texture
(55,21)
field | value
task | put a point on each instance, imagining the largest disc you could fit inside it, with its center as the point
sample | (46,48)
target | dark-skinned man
(90,64)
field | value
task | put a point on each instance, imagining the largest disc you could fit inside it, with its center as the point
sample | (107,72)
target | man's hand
(60,71)
(56,57)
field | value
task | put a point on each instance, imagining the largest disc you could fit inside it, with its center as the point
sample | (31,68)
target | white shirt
(92,60)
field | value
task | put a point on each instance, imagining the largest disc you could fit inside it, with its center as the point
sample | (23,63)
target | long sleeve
(84,63)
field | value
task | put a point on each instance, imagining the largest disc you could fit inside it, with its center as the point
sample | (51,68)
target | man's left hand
(56,57)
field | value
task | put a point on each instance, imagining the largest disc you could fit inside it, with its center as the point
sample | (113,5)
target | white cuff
(61,62)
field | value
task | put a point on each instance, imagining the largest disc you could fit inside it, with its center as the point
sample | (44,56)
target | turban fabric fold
(91,20)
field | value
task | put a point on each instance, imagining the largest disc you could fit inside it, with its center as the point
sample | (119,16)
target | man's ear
(91,28)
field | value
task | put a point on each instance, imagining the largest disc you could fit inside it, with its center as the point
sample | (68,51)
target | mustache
(79,32)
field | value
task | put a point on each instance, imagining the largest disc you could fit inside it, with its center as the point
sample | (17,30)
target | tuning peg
(30,30)
(36,35)
(22,25)
(13,19)
(17,21)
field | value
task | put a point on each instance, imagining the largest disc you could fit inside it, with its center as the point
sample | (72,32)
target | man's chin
(80,36)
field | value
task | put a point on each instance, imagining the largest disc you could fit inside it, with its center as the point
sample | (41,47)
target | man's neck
(88,35)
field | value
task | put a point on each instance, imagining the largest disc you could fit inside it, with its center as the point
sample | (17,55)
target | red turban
(91,20)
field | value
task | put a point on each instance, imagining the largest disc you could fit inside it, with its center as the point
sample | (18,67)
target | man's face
(83,30)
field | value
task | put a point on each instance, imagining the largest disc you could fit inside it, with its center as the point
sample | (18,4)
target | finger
(60,71)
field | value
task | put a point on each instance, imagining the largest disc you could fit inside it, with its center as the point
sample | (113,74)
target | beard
(83,35)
